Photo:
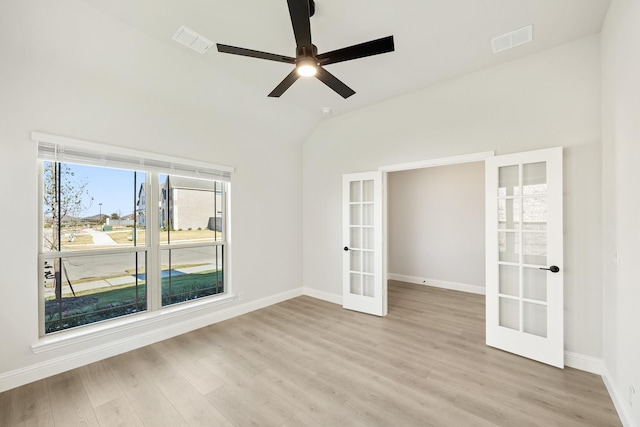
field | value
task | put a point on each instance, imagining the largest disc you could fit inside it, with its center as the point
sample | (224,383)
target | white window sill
(115,326)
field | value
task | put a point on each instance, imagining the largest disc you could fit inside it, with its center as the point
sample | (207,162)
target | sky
(114,188)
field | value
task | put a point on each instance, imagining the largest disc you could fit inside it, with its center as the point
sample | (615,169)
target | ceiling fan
(307,60)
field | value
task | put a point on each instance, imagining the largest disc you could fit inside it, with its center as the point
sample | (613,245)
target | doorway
(404,261)
(436,226)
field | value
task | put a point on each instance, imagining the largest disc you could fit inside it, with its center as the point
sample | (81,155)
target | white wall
(61,74)
(544,100)
(621,203)
(436,224)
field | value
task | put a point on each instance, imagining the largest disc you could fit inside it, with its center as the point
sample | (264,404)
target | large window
(123,234)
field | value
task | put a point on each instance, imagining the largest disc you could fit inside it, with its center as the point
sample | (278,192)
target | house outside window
(107,253)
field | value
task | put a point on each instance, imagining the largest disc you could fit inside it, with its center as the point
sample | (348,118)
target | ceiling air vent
(512,39)
(191,39)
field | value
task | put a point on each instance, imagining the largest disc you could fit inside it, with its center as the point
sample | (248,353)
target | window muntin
(93,288)
(192,272)
(80,200)
(191,237)
(89,279)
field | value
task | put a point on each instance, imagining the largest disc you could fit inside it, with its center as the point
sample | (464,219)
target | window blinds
(62,149)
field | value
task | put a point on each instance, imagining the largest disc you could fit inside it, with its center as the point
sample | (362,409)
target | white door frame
(421,164)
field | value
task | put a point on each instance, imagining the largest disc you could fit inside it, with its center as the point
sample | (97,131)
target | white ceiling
(435,41)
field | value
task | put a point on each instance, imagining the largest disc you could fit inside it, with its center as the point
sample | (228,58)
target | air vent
(512,39)
(191,39)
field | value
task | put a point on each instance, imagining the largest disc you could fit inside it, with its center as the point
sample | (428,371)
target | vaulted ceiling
(130,41)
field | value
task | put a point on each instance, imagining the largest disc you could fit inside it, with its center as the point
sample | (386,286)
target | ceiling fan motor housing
(303,52)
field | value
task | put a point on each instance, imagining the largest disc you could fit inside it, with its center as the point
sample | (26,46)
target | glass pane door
(524,247)
(522,239)
(363,286)
(361,260)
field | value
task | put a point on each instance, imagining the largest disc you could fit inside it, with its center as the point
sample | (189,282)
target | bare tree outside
(65,198)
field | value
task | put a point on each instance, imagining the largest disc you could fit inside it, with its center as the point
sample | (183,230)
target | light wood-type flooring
(306,362)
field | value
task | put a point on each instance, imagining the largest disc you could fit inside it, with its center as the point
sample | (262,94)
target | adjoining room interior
(211,92)
(436,226)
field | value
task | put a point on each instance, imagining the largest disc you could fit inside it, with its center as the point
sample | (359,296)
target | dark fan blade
(254,53)
(285,84)
(373,47)
(332,81)
(299,12)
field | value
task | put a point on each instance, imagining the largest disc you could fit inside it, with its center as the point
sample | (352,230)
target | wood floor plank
(28,404)
(118,413)
(41,420)
(306,362)
(70,403)
(238,409)
(148,402)
(100,384)
(192,406)
(188,366)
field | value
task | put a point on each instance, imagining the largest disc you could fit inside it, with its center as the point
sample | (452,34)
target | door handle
(553,268)
(346,248)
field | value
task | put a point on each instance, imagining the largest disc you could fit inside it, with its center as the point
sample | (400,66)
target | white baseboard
(325,296)
(618,399)
(72,360)
(584,363)
(454,286)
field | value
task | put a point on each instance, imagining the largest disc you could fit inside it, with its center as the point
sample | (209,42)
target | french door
(524,255)
(364,281)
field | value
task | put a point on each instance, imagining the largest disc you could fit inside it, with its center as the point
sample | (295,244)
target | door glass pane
(367,238)
(509,280)
(367,214)
(354,191)
(502,214)
(367,286)
(355,285)
(508,181)
(354,216)
(534,178)
(534,213)
(367,262)
(534,284)
(355,237)
(356,260)
(509,246)
(535,319)
(509,313)
(509,213)
(367,190)
(534,248)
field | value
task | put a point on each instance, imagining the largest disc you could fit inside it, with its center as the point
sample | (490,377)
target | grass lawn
(104,305)
(124,237)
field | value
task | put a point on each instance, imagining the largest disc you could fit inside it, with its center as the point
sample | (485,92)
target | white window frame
(74,151)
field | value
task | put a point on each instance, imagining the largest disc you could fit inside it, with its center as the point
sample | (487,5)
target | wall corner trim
(624,412)
(582,362)
(322,295)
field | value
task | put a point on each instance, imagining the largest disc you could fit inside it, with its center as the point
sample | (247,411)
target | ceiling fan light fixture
(307,67)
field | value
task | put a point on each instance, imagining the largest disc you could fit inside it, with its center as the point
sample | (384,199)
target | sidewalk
(103,285)
(100,238)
